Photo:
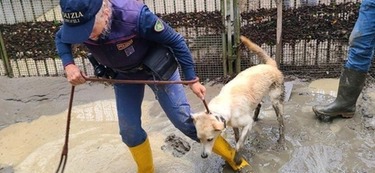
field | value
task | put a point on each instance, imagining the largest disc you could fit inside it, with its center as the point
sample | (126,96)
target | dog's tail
(263,56)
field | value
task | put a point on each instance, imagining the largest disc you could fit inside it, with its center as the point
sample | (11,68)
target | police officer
(119,34)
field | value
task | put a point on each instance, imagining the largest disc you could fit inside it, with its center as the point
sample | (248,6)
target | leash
(205,105)
(141,81)
(64,154)
(148,82)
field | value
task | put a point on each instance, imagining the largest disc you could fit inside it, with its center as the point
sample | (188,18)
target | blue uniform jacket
(133,29)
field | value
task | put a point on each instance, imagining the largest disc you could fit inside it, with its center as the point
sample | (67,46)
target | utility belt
(133,70)
(159,62)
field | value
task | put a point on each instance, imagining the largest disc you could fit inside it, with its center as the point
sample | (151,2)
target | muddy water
(340,146)
(95,145)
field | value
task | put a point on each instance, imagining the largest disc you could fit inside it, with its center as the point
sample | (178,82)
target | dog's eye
(210,139)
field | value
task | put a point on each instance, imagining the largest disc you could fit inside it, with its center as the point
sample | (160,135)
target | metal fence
(16,11)
(25,60)
(202,23)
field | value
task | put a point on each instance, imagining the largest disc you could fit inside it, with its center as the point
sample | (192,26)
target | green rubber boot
(350,86)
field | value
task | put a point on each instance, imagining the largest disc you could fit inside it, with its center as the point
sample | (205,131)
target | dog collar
(222,119)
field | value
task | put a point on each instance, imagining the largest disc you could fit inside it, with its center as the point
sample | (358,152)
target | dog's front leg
(244,132)
(236,133)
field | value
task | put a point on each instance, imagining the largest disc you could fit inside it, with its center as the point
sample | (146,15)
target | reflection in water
(97,111)
(324,87)
(324,92)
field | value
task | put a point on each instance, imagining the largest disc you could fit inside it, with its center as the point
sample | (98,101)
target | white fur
(238,100)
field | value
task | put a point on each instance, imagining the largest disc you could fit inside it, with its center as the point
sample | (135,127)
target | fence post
(229,40)
(4,57)
(237,18)
(224,40)
(279,27)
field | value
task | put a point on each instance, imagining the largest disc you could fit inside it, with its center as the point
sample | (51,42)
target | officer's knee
(132,137)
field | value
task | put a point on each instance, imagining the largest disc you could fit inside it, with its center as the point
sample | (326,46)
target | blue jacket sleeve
(169,37)
(64,50)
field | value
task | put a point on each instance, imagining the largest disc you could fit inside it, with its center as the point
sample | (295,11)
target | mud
(33,119)
(177,145)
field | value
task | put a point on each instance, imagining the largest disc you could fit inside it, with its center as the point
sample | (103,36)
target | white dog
(239,99)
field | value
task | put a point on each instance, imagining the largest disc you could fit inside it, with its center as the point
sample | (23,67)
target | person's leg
(173,100)
(129,99)
(362,38)
(353,75)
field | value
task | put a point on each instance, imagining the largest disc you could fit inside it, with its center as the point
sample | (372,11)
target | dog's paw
(279,146)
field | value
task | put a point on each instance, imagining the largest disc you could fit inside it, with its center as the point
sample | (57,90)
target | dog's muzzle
(204,155)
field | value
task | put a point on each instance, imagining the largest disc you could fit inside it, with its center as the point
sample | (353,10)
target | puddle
(324,86)
(95,144)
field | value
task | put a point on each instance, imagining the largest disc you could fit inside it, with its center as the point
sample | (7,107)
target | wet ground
(33,119)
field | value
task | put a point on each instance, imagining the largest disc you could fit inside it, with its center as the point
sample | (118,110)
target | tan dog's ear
(218,126)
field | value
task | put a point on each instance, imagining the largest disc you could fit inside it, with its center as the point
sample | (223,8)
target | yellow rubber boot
(142,155)
(235,160)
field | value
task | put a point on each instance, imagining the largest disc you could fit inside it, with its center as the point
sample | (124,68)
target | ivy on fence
(322,23)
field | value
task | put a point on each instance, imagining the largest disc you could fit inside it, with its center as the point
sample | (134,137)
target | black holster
(161,61)
(101,70)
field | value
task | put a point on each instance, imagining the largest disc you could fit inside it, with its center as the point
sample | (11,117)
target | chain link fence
(315,35)
(28,28)
(16,11)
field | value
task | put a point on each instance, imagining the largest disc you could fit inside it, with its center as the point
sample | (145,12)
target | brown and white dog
(238,103)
